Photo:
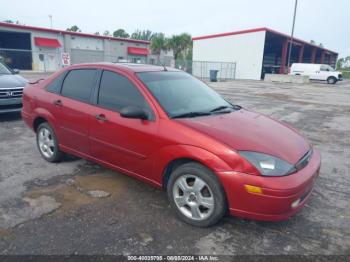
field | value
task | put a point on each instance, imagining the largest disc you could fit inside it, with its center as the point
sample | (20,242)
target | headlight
(268,165)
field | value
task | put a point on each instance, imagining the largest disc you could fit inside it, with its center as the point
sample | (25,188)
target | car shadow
(9,117)
(69,158)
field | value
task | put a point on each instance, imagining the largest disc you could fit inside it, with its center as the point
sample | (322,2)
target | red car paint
(143,148)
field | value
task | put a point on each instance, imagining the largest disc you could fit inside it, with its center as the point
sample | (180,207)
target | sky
(324,21)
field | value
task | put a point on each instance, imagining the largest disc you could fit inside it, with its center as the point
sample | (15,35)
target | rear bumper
(10,105)
(278,193)
(27,118)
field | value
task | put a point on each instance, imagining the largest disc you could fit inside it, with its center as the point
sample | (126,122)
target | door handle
(101,117)
(57,103)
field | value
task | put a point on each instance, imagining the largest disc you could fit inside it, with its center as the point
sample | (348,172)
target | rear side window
(56,84)
(78,84)
(116,92)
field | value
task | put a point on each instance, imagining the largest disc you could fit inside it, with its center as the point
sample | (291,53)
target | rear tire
(47,143)
(331,80)
(196,195)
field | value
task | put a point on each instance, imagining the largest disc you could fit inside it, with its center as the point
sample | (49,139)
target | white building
(257,51)
(35,48)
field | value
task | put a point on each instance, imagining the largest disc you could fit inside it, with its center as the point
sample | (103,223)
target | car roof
(129,67)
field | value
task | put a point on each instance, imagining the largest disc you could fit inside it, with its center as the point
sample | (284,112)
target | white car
(316,72)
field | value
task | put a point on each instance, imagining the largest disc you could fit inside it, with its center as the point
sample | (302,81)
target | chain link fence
(201,69)
(50,61)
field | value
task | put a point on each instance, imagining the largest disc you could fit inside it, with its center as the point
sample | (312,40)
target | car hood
(8,81)
(247,130)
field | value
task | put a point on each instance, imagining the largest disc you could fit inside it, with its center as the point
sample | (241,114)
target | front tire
(331,80)
(47,143)
(196,195)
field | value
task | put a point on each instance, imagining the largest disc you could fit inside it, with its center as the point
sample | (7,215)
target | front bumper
(281,197)
(10,105)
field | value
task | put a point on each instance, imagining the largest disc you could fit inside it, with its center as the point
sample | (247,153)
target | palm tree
(158,44)
(142,35)
(180,44)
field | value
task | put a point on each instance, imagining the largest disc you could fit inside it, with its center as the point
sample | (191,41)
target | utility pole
(292,35)
(50,16)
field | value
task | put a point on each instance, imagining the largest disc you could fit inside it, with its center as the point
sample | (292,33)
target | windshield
(181,94)
(330,69)
(4,70)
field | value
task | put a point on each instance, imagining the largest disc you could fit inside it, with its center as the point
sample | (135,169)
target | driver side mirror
(15,71)
(134,112)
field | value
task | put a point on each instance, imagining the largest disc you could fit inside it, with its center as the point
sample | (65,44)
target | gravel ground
(77,207)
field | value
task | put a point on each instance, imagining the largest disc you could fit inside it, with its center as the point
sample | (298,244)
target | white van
(316,72)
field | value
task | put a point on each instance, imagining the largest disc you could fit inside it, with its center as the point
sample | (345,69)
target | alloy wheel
(193,197)
(46,142)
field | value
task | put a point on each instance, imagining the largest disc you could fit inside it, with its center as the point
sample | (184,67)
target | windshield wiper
(191,114)
(220,108)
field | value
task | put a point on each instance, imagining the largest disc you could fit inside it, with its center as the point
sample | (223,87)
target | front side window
(327,68)
(180,93)
(324,68)
(78,84)
(117,92)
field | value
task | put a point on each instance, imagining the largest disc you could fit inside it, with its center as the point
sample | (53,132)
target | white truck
(316,72)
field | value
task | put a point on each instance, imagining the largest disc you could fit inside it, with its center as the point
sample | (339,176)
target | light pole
(50,16)
(292,35)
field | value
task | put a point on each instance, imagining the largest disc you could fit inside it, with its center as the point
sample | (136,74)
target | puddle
(75,192)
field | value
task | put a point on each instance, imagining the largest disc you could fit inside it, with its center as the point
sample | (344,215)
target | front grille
(304,160)
(8,93)
(10,106)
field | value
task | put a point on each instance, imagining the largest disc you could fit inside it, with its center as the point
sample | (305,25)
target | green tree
(106,33)
(343,63)
(189,54)
(158,44)
(180,44)
(74,28)
(121,33)
(9,21)
(340,63)
(142,35)
(347,62)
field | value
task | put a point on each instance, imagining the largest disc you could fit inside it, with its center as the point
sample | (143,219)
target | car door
(324,72)
(315,73)
(124,143)
(73,108)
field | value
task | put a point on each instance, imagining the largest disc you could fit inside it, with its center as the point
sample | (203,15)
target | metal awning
(47,42)
(138,51)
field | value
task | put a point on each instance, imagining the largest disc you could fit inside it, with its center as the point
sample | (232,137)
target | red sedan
(169,129)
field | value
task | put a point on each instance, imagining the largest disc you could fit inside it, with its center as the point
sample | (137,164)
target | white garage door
(86,56)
